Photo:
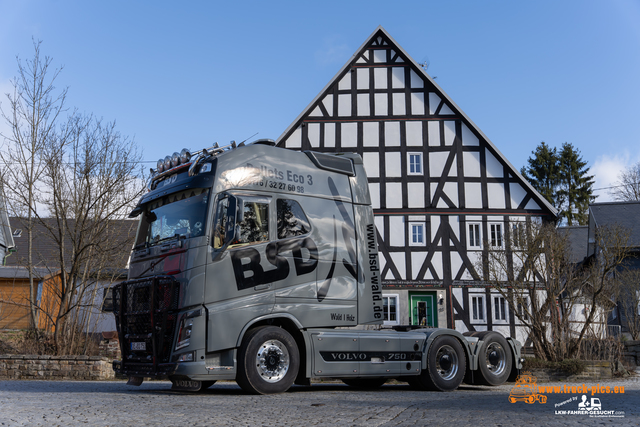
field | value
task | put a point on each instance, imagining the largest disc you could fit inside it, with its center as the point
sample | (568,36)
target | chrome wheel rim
(447,362)
(496,358)
(272,361)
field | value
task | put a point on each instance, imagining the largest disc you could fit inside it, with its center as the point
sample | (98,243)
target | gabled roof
(121,234)
(11,272)
(623,214)
(577,237)
(423,74)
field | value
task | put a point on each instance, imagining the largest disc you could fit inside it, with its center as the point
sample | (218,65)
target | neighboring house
(577,239)
(442,192)
(47,266)
(14,297)
(627,216)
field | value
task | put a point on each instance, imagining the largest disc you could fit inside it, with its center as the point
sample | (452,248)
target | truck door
(238,274)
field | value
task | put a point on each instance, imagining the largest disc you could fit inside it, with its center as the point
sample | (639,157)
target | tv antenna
(425,64)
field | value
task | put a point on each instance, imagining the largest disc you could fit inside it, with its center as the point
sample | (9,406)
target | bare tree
(627,187)
(93,176)
(556,300)
(629,300)
(32,113)
(71,178)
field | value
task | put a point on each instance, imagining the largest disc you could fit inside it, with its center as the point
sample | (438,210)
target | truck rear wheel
(364,383)
(446,364)
(494,359)
(268,361)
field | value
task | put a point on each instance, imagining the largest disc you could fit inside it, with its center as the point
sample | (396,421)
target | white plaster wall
(371,134)
(392,134)
(414,133)
(394,195)
(433,129)
(393,165)
(349,134)
(371,164)
(396,230)
(415,192)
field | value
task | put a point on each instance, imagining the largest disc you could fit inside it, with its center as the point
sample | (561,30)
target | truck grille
(146,312)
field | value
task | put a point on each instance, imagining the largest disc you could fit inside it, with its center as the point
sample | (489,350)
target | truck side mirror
(240,210)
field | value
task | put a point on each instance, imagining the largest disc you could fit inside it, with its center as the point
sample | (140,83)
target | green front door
(423,309)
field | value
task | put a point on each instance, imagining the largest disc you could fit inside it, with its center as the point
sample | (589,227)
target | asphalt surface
(113,403)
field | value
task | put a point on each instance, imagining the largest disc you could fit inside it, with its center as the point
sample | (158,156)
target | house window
(518,239)
(477,308)
(499,309)
(523,308)
(495,234)
(475,242)
(415,163)
(390,307)
(416,229)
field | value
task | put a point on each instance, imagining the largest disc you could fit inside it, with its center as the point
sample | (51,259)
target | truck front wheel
(268,361)
(446,364)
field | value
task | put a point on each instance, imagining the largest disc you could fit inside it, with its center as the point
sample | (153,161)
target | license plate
(138,346)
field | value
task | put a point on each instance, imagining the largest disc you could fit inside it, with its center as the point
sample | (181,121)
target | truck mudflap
(146,312)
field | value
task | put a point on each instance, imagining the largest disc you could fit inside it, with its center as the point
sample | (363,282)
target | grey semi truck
(260,265)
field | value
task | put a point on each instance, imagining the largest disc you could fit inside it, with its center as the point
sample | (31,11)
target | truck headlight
(184,334)
(186,357)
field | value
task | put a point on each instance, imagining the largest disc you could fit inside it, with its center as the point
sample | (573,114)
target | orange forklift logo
(526,390)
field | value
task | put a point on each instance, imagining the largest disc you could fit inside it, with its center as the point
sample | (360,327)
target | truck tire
(446,364)
(268,361)
(494,359)
(364,383)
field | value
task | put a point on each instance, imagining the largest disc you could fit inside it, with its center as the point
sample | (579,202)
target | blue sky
(187,74)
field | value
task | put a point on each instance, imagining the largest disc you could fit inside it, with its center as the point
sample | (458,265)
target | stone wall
(22,367)
(632,352)
(594,370)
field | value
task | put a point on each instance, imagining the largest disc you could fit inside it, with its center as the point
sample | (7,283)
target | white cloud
(606,170)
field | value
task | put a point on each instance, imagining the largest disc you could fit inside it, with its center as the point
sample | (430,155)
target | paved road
(65,403)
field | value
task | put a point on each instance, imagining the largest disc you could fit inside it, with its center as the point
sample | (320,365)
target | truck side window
(291,219)
(255,225)
(220,223)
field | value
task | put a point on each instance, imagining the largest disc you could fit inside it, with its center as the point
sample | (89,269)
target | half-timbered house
(442,192)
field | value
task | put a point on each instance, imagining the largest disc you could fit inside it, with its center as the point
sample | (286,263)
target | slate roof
(121,234)
(15,272)
(578,237)
(624,214)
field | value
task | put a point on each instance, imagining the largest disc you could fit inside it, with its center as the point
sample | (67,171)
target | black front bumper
(146,312)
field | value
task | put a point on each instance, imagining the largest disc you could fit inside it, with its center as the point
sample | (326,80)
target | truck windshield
(181,214)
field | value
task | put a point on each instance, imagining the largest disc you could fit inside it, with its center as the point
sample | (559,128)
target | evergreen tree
(575,185)
(562,178)
(542,172)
